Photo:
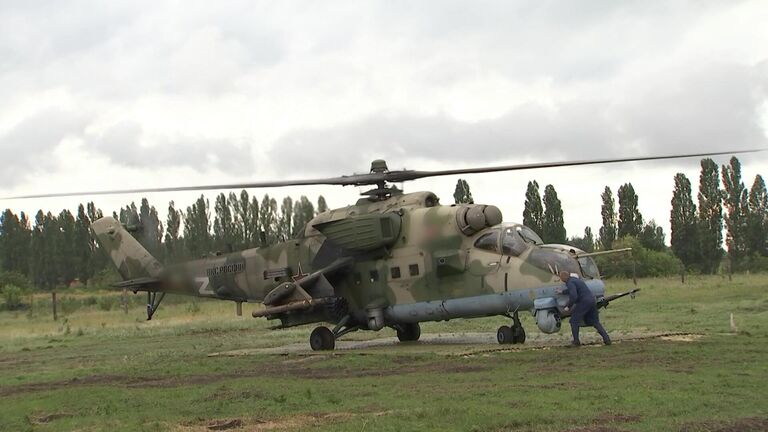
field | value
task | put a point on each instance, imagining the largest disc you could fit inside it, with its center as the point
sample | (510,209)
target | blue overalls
(583,307)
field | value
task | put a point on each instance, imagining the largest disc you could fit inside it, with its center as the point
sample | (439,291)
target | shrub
(106,302)
(646,262)
(12,296)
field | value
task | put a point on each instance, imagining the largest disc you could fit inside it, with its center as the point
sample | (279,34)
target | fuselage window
(512,243)
(413,269)
(394,272)
(488,241)
(374,276)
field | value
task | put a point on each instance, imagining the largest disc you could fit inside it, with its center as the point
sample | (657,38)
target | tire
(409,332)
(322,339)
(504,335)
(518,335)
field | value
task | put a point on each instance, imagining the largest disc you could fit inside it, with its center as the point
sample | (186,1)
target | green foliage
(12,297)
(14,278)
(710,217)
(197,235)
(223,225)
(630,219)
(303,212)
(607,231)
(683,222)
(106,302)
(553,230)
(462,194)
(586,242)
(322,207)
(647,263)
(735,199)
(533,213)
(15,235)
(172,244)
(652,237)
(757,218)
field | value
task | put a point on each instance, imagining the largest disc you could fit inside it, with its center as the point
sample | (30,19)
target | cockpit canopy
(508,239)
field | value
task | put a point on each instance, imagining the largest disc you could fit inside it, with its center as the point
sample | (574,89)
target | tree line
(696,231)
(57,249)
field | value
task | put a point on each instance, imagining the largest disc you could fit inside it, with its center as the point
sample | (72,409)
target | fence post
(53,305)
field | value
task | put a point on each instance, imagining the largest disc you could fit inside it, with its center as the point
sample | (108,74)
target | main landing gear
(511,335)
(324,339)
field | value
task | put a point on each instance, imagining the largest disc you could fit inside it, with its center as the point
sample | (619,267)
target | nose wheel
(514,334)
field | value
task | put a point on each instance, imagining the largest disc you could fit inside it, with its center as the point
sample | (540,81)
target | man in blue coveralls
(582,303)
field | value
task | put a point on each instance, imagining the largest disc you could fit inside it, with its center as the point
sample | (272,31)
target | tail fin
(132,261)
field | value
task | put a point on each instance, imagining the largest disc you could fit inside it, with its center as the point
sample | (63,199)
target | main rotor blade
(399,176)
(379,178)
(343,181)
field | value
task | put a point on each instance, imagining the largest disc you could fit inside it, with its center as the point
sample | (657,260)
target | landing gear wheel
(322,339)
(408,332)
(518,335)
(504,335)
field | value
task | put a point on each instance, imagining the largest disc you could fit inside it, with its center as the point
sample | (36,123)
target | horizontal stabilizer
(135,284)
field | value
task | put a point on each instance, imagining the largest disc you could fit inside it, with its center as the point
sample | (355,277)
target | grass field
(97,369)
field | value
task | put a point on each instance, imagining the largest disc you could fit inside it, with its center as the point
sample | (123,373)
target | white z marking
(205,289)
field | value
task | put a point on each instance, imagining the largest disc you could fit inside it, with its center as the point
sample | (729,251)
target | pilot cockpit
(510,239)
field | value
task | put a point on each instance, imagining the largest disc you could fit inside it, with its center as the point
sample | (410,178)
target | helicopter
(393,259)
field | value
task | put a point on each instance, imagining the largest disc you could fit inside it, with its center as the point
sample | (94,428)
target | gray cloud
(709,108)
(127,144)
(28,148)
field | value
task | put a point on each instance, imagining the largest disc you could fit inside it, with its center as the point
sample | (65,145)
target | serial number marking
(224,269)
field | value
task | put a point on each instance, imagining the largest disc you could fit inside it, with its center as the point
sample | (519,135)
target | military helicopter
(392,259)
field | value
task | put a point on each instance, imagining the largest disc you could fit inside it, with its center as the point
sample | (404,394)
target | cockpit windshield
(513,243)
(529,235)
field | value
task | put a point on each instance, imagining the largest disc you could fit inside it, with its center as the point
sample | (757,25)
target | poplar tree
(710,216)
(608,212)
(553,230)
(150,233)
(630,219)
(84,247)
(586,242)
(197,235)
(285,226)
(462,194)
(757,220)
(64,241)
(98,257)
(736,201)
(268,220)
(533,213)
(322,207)
(14,242)
(223,226)
(682,219)
(172,243)
(652,237)
(303,212)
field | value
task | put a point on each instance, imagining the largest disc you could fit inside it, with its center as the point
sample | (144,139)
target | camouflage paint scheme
(367,260)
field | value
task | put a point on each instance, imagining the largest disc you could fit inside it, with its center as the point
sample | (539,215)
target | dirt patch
(616,418)
(276,370)
(594,428)
(747,424)
(40,419)
(686,337)
(255,424)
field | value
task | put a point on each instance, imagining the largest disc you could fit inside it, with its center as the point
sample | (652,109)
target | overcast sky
(100,95)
